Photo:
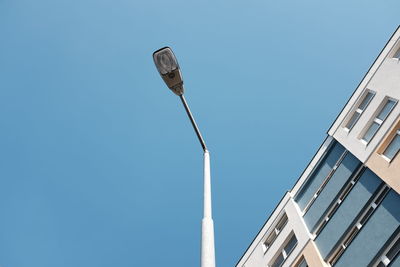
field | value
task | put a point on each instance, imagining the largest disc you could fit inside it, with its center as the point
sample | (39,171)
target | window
(378,120)
(285,252)
(282,222)
(360,109)
(302,263)
(389,254)
(397,54)
(290,245)
(275,232)
(279,260)
(393,148)
(360,222)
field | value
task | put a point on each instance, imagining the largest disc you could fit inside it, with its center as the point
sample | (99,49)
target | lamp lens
(165,61)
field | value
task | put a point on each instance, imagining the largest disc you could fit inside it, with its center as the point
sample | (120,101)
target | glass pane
(371,131)
(394,250)
(281,223)
(367,215)
(303,263)
(381,195)
(351,236)
(337,256)
(393,147)
(165,61)
(353,120)
(381,264)
(345,191)
(397,55)
(366,100)
(290,245)
(278,261)
(386,109)
(271,237)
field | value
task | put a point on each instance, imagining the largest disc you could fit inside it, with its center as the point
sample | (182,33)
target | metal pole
(196,129)
(207,224)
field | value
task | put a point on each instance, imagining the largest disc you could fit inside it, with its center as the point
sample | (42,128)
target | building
(344,210)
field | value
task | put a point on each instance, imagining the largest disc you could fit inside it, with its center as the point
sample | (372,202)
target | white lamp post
(168,67)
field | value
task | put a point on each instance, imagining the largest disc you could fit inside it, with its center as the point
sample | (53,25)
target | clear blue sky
(99,165)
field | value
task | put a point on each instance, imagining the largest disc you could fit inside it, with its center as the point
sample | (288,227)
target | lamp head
(168,67)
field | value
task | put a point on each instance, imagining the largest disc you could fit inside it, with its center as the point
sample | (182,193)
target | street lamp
(168,67)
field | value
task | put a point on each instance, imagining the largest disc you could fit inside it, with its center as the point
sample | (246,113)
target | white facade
(258,255)
(383,79)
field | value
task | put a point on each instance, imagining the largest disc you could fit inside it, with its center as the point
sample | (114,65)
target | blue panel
(374,234)
(332,188)
(318,176)
(347,212)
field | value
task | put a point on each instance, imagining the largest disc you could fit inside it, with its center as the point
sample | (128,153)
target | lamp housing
(168,67)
